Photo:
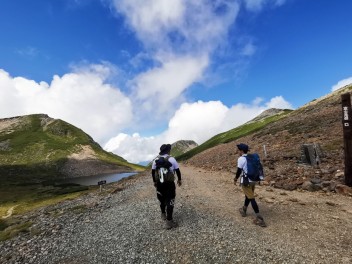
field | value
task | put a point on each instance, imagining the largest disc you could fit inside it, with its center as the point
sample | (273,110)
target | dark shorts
(167,190)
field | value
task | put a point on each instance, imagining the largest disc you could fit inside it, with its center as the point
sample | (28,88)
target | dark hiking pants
(166,193)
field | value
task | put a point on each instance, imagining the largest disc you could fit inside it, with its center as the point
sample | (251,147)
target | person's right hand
(234,181)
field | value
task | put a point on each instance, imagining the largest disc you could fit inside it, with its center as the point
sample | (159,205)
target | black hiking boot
(259,221)
(170,224)
(243,211)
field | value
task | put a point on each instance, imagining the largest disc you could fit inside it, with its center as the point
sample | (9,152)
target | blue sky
(136,74)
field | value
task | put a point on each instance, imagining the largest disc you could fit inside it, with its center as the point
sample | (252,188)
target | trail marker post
(347,136)
(101,183)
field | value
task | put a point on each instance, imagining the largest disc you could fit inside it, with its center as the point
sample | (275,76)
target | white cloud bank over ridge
(84,99)
(197,121)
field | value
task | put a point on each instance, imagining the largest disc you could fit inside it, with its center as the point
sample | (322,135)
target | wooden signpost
(101,183)
(347,136)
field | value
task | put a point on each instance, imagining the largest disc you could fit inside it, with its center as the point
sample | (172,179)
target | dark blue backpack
(254,168)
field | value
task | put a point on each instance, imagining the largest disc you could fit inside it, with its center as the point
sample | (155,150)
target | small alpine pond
(93,180)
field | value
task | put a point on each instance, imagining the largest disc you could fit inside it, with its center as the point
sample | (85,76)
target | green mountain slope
(40,146)
(235,133)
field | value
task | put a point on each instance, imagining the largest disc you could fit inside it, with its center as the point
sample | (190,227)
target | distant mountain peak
(267,113)
(182,146)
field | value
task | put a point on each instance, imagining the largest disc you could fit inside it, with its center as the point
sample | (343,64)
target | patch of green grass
(27,198)
(333,145)
(71,189)
(79,209)
(3,224)
(233,134)
(14,230)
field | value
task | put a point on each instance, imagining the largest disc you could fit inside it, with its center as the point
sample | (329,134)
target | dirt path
(314,223)
(124,226)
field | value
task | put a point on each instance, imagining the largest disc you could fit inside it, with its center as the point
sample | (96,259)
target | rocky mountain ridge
(267,113)
(182,146)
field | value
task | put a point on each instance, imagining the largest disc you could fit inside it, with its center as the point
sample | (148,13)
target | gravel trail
(125,226)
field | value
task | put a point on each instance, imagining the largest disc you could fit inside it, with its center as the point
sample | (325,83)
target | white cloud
(29,51)
(135,148)
(163,25)
(81,98)
(257,5)
(197,121)
(278,102)
(179,37)
(248,50)
(341,84)
(159,88)
(150,18)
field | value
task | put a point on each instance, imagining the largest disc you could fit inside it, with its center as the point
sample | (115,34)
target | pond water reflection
(93,180)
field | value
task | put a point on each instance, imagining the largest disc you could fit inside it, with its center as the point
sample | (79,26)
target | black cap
(164,149)
(243,147)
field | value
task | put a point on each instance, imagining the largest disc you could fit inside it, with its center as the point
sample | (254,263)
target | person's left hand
(179,183)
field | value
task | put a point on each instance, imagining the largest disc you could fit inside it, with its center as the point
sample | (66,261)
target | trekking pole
(264,150)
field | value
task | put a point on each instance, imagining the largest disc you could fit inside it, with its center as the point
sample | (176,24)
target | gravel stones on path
(126,227)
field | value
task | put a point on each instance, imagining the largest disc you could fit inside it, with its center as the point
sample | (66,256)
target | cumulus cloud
(166,24)
(197,121)
(135,148)
(179,37)
(341,84)
(161,87)
(81,98)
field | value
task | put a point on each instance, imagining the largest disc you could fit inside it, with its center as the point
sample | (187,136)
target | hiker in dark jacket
(165,185)
(249,189)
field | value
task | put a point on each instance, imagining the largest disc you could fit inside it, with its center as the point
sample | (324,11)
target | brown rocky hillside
(318,122)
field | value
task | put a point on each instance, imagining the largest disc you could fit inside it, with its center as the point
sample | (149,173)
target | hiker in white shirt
(165,184)
(247,187)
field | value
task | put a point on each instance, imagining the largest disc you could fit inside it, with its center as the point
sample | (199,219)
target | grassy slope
(233,134)
(34,146)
